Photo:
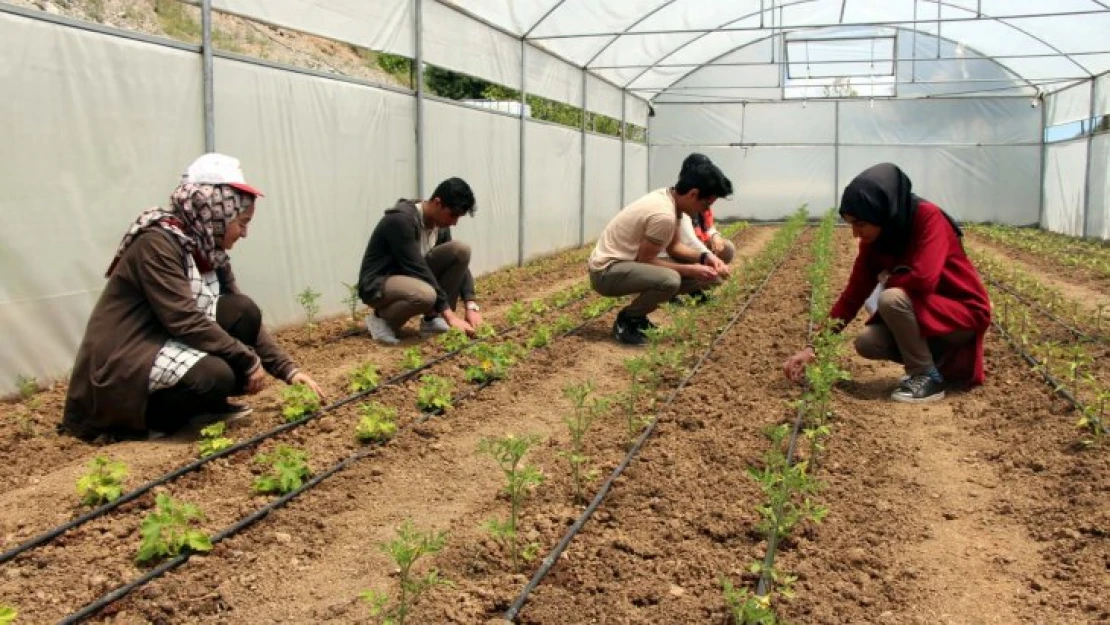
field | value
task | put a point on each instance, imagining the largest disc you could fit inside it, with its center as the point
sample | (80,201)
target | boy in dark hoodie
(411,266)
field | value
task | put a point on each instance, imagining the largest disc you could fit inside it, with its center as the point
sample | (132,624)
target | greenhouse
(513,454)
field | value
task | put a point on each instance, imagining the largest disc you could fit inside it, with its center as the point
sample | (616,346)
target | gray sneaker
(919,389)
(435,325)
(380,330)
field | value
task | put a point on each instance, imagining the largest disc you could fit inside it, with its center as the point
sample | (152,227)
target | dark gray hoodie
(394,250)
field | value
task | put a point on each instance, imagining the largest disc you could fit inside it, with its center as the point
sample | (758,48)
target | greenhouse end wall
(979,159)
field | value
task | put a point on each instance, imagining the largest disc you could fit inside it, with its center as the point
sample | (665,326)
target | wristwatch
(473,306)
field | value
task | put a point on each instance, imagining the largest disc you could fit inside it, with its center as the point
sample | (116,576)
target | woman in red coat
(933,310)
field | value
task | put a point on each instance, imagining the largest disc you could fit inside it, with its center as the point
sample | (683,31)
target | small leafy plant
(298,402)
(378,423)
(434,393)
(363,378)
(288,471)
(28,386)
(788,488)
(7,614)
(517,314)
(640,370)
(540,337)
(310,301)
(412,358)
(520,479)
(493,362)
(405,550)
(585,410)
(352,301)
(485,331)
(103,483)
(213,440)
(562,325)
(170,529)
(749,608)
(454,339)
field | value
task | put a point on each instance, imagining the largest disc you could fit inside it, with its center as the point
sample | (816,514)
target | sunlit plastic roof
(657,48)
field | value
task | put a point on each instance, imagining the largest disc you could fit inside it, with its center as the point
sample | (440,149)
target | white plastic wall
(86,148)
(1098,217)
(635,171)
(1065,171)
(331,157)
(553,182)
(603,183)
(484,149)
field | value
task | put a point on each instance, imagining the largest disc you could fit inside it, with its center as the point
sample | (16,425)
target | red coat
(945,288)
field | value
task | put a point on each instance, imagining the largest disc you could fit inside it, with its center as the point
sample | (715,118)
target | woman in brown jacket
(172,337)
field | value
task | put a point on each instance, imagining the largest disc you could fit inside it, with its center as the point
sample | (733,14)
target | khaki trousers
(404,297)
(897,337)
(651,284)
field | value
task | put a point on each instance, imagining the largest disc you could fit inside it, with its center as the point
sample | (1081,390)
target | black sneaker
(629,330)
(229,412)
(919,389)
(644,323)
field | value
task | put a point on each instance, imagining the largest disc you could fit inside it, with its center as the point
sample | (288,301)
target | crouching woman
(171,337)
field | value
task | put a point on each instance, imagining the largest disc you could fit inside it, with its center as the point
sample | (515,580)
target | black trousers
(208,384)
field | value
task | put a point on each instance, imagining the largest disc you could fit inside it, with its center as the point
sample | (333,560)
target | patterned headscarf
(198,218)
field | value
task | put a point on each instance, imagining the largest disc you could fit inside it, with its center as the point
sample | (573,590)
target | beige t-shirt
(652,217)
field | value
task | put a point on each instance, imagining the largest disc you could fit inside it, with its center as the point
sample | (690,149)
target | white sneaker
(380,330)
(433,326)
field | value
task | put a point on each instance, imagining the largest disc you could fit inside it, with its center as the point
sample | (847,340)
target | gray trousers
(651,284)
(404,297)
(897,337)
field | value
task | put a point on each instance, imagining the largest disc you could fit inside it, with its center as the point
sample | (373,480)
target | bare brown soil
(1088,289)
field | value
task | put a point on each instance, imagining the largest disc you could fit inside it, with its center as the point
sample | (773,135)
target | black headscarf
(881,196)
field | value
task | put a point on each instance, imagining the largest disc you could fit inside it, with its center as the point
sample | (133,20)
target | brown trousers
(653,285)
(404,297)
(897,337)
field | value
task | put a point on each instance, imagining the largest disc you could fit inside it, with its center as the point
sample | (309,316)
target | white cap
(213,168)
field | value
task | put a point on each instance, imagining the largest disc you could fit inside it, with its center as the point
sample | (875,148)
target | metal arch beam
(706,34)
(605,47)
(1002,20)
(1016,76)
(541,20)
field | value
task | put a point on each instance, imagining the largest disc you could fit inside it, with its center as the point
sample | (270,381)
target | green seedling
(562,325)
(517,314)
(493,362)
(434,394)
(27,385)
(586,409)
(788,488)
(485,331)
(170,529)
(540,337)
(538,307)
(405,550)
(310,301)
(640,370)
(298,401)
(454,339)
(213,440)
(378,423)
(352,301)
(363,378)
(103,483)
(412,358)
(7,614)
(748,608)
(520,479)
(288,471)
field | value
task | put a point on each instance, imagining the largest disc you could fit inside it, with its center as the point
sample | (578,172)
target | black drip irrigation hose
(1079,334)
(111,597)
(551,558)
(51,534)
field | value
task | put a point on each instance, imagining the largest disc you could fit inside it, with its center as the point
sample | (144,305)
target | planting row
(1089,256)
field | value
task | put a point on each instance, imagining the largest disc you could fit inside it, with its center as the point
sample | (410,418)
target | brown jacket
(146,301)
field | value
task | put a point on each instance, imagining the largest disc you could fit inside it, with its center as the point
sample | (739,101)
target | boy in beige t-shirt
(626,259)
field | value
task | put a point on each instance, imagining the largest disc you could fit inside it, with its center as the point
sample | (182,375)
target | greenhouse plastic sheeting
(459,43)
(603,98)
(636,111)
(1102,95)
(386,25)
(1069,105)
(483,149)
(999,184)
(1098,215)
(553,188)
(1065,171)
(88,147)
(768,182)
(551,78)
(790,122)
(603,183)
(697,124)
(331,157)
(971,120)
(635,171)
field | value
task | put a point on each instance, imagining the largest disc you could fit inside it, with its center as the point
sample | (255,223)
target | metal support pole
(523,123)
(1090,143)
(624,151)
(419,63)
(836,153)
(1044,162)
(582,198)
(209,95)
